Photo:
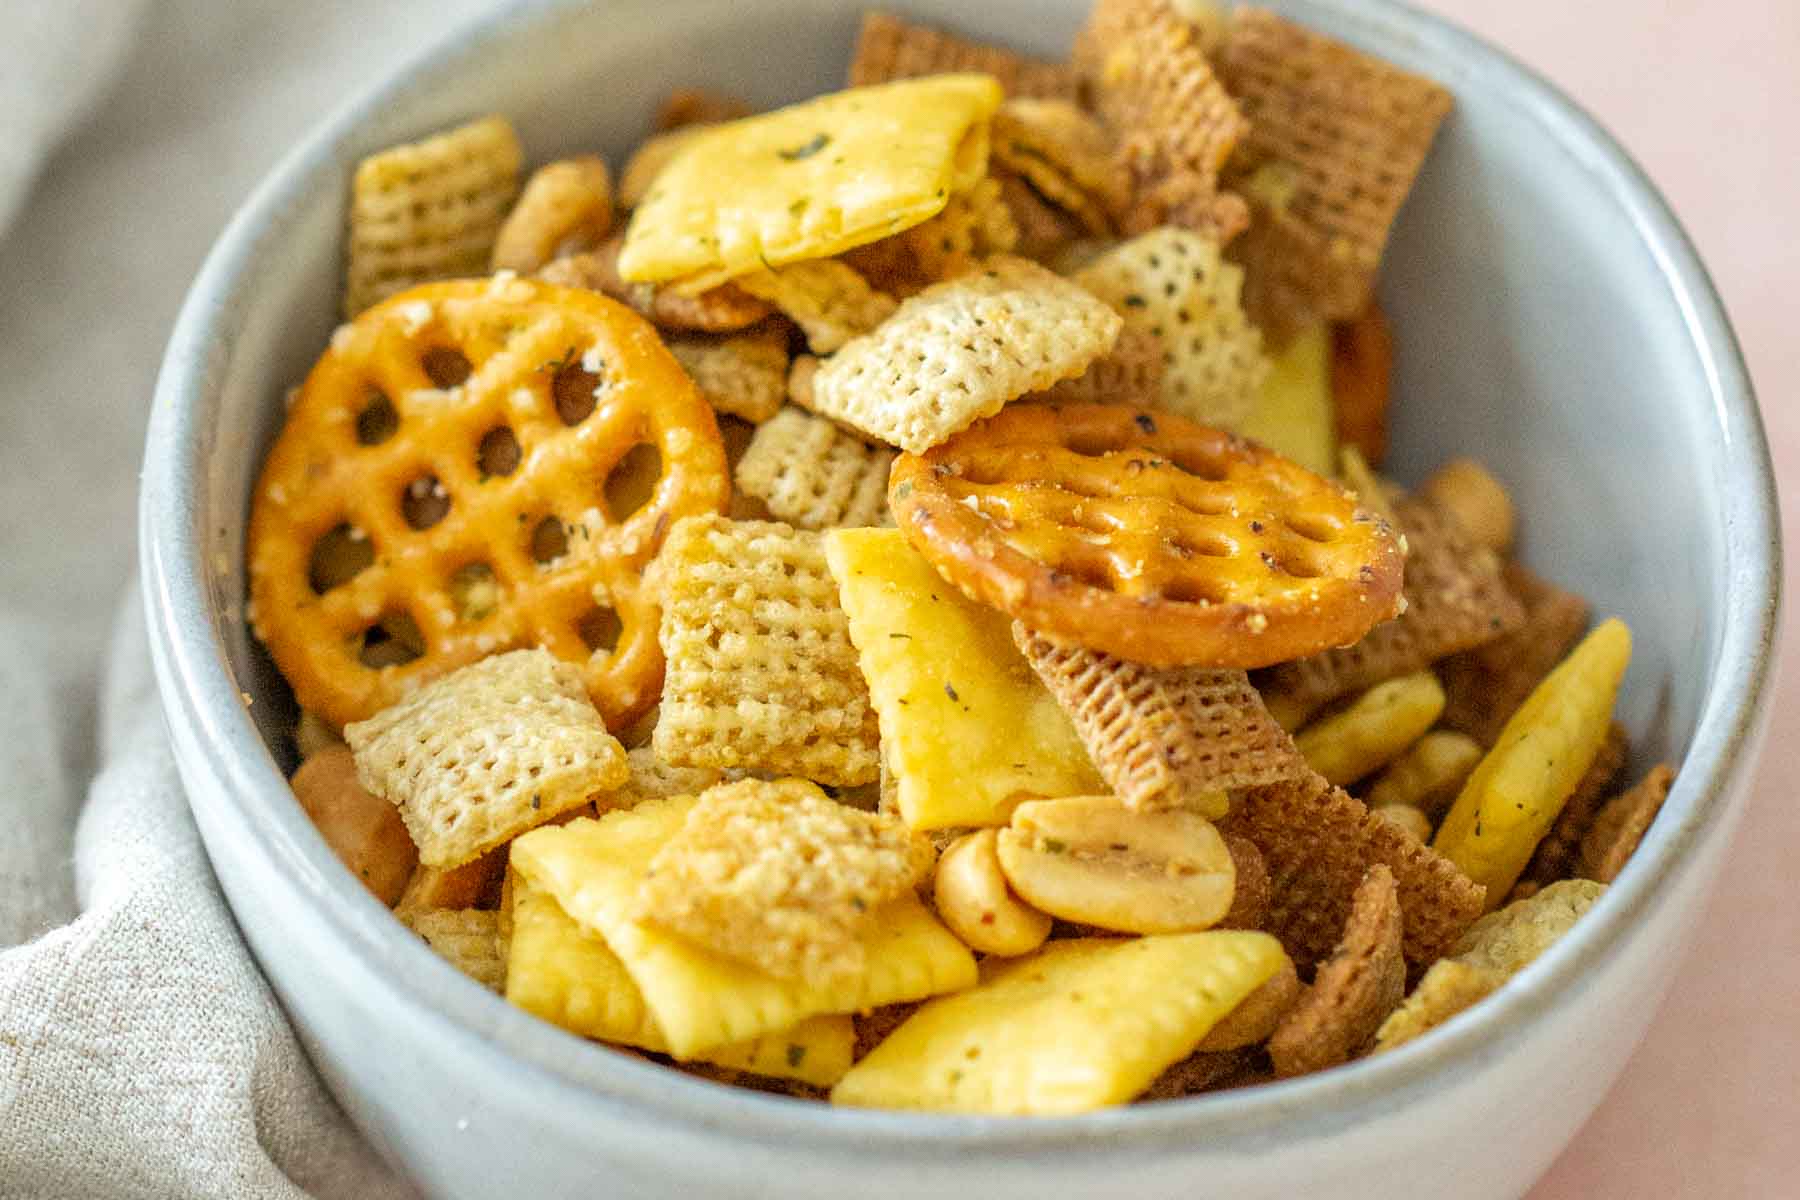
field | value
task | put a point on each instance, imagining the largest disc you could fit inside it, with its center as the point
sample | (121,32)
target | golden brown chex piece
(1353,991)
(827,298)
(1250,896)
(1130,373)
(1207,1071)
(724,309)
(647,162)
(1044,230)
(1448,987)
(761,671)
(743,374)
(890,48)
(1162,736)
(565,208)
(960,350)
(1319,842)
(489,751)
(429,210)
(1555,857)
(466,938)
(1486,685)
(1455,600)
(1622,823)
(1066,156)
(1352,132)
(1146,71)
(1171,284)
(782,877)
(697,106)
(813,475)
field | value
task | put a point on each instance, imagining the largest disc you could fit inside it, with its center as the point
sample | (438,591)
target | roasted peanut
(974,901)
(1090,860)
(1407,817)
(474,884)
(565,208)
(1476,499)
(1429,774)
(649,159)
(363,830)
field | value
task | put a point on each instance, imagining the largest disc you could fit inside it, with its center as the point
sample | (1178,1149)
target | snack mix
(1061,710)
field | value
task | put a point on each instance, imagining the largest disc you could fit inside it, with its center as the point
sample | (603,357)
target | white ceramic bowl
(1552,319)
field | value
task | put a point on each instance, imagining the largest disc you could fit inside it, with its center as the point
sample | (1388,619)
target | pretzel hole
(1094,443)
(498,453)
(600,629)
(632,481)
(424,502)
(549,541)
(474,591)
(338,557)
(572,390)
(393,641)
(1195,591)
(446,367)
(378,421)
(1300,564)
(1205,545)
(1314,527)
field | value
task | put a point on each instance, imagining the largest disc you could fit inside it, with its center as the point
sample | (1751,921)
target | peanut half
(974,901)
(1089,859)
(363,830)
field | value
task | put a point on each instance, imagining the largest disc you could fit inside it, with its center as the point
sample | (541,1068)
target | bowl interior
(1550,322)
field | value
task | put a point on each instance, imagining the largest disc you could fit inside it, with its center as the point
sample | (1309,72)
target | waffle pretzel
(463,433)
(1146,536)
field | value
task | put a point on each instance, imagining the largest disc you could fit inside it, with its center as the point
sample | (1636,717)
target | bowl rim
(202,700)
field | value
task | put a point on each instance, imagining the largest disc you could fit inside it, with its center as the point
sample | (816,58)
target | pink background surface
(1706,95)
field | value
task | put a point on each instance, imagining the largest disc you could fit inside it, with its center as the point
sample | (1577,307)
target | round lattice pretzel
(440,492)
(1149,537)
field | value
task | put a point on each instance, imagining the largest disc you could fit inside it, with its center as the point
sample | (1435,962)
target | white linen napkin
(141,1052)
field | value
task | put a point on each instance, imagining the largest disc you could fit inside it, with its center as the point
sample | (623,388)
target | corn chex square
(741,375)
(489,751)
(1172,285)
(429,209)
(814,475)
(961,350)
(782,877)
(466,938)
(761,673)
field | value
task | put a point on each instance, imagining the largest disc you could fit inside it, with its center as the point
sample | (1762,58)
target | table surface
(1705,95)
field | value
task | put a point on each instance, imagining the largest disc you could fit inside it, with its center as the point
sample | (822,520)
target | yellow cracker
(1130,373)
(1373,729)
(1295,414)
(967,730)
(466,938)
(811,180)
(779,876)
(1622,823)
(647,162)
(889,48)
(564,974)
(814,475)
(1319,842)
(743,375)
(1172,284)
(1455,600)
(429,210)
(959,351)
(761,673)
(828,299)
(700,999)
(1257,1015)
(485,753)
(1147,74)
(1078,1026)
(1066,156)
(1510,939)
(1352,130)
(1353,991)
(1164,737)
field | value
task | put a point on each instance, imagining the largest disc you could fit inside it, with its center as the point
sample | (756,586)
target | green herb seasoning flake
(795,1054)
(806,149)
